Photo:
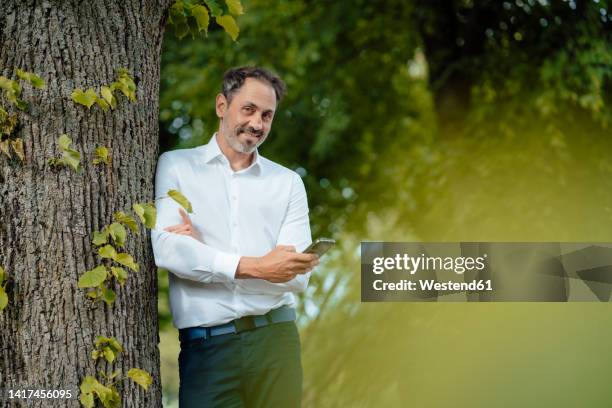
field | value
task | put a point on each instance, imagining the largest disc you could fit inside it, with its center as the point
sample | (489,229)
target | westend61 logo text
(413,264)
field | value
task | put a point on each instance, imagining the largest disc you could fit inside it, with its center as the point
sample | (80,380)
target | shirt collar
(212,151)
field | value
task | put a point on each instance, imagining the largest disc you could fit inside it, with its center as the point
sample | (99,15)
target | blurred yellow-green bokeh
(427,121)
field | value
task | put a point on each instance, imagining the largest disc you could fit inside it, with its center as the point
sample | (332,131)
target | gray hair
(234,78)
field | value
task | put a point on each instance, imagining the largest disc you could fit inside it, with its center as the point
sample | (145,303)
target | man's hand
(278,266)
(186,228)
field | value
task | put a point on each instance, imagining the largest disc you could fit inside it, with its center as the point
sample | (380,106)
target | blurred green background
(428,121)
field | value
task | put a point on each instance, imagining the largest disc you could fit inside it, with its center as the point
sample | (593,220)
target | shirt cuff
(226,265)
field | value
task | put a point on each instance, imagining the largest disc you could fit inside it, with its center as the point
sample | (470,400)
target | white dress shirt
(238,213)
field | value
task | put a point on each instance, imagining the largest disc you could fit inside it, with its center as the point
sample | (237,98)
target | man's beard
(235,143)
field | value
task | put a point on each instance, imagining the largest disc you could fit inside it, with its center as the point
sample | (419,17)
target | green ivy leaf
(87,400)
(108,354)
(35,80)
(7,122)
(12,92)
(72,158)
(214,8)
(93,278)
(140,377)
(88,385)
(87,98)
(108,96)
(234,7)
(229,25)
(108,295)
(93,294)
(100,238)
(126,260)
(147,214)
(200,13)
(118,233)
(119,273)
(112,399)
(114,344)
(107,251)
(17,146)
(181,199)
(3,298)
(126,220)
(64,141)
(125,84)
(101,155)
(103,104)
(4,148)
(2,274)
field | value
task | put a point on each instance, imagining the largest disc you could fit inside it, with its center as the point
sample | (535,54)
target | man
(236,262)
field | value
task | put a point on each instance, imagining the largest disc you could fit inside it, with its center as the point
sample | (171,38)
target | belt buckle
(244,323)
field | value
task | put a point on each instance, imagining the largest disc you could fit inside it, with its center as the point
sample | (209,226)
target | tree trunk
(48,215)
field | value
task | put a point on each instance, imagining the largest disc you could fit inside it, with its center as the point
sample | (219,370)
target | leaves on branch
(70,157)
(35,80)
(93,278)
(86,98)
(147,213)
(229,25)
(126,220)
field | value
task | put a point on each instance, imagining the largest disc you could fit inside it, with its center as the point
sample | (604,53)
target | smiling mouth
(255,135)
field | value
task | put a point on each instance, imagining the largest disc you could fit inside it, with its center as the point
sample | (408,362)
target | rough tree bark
(47,216)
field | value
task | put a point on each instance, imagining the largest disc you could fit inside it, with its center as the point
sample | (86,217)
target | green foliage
(101,154)
(32,78)
(91,388)
(70,157)
(12,92)
(140,377)
(147,213)
(124,84)
(194,17)
(118,233)
(93,278)
(126,220)
(17,145)
(229,25)
(234,7)
(200,13)
(120,274)
(3,295)
(180,199)
(86,98)
(8,123)
(107,347)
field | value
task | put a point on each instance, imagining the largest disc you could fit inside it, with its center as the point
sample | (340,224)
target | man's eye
(248,109)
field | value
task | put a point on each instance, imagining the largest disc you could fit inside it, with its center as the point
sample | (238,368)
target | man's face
(247,119)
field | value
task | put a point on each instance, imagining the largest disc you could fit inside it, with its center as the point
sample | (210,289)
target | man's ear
(221,105)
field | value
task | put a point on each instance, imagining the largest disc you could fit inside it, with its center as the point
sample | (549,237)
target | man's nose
(257,122)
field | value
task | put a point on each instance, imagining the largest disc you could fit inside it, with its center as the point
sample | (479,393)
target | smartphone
(320,246)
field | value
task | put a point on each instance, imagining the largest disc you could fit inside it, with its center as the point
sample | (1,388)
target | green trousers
(255,368)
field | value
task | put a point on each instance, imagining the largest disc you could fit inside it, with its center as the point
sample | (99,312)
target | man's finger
(288,248)
(184,216)
(305,258)
(173,228)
